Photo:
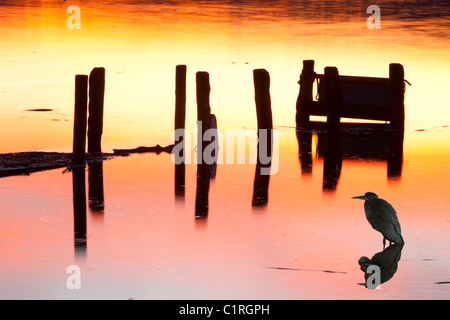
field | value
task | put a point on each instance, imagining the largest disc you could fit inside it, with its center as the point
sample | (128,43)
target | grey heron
(382,217)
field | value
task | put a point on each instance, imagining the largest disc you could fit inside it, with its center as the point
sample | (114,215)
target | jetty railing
(356,97)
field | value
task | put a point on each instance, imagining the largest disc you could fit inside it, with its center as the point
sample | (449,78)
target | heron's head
(367,196)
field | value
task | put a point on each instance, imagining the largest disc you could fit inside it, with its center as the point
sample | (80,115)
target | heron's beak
(359,197)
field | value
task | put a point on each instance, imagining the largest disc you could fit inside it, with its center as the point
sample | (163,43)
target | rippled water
(145,243)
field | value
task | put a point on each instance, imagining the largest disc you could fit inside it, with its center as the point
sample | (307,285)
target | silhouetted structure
(180,122)
(261,80)
(305,96)
(333,99)
(203,171)
(180,97)
(96,102)
(80,118)
(351,97)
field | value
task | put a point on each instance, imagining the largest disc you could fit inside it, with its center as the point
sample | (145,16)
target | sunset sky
(147,242)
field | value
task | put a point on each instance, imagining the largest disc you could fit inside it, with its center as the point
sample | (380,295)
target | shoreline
(26,163)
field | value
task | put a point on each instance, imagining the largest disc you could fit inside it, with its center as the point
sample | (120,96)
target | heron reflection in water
(382,217)
(386,260)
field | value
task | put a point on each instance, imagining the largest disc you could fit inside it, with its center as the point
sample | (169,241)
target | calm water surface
(146,243)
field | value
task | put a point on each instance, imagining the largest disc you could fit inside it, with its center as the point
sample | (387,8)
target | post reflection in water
(395,156)
(332,162)
(355,141)
(387,260)
(262,173)
(79,209)
(206,168)
(304,140)
(96,193)
(180,171)
(202,192)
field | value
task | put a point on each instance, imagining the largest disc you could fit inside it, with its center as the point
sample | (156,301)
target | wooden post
(397,95)
(203,91)
(333,99)
(203,109)
(79,124)
(204,116)
(180,97)
(395,156)
(96,102)
(261,81)
(305,96)
(180,120)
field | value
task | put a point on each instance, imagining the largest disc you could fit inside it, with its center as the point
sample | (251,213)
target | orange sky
(140,50)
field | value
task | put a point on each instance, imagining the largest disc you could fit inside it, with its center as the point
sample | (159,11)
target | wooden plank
(363,98)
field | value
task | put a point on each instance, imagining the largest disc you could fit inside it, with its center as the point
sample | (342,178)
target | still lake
(145,243)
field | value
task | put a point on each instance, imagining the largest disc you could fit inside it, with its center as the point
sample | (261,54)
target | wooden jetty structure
(357,97)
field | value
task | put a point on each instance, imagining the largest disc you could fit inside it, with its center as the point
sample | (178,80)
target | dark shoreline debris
(26,163)
(157,149)
(39,110)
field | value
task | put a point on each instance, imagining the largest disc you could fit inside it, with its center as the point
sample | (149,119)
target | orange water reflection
(147,243)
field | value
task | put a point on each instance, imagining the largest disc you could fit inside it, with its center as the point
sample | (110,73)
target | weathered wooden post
(79,124)
(305,95)
(333,99)
(96,102)
(261,81)
(397,95)
(203,90)
(180,120)
(180,97)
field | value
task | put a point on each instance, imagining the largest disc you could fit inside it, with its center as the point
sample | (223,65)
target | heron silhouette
(382,217)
